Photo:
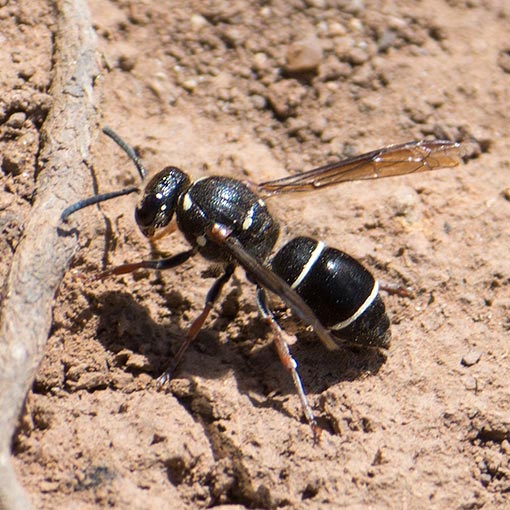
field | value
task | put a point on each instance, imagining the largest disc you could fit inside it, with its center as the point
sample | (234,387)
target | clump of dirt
(260,90)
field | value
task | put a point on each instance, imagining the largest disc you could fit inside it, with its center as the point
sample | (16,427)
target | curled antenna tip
(96,199)
(131,153)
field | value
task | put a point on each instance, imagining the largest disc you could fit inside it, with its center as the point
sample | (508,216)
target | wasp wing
(407,158)
(263,276)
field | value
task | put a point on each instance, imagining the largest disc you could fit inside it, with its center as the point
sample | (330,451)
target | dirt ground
(218,87)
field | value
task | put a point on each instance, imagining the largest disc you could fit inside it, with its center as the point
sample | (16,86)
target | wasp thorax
(157,206)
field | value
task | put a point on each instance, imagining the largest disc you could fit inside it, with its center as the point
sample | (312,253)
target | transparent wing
(270,281)
(407,158)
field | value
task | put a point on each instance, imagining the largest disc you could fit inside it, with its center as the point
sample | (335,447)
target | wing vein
(407,158)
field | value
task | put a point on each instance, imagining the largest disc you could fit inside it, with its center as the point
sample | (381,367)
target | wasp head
(157,206)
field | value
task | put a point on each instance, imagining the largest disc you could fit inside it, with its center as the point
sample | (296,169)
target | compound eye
(148,210)
(157,207)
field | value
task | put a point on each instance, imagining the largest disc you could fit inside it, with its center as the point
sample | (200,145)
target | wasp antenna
(128,150)
(95,200)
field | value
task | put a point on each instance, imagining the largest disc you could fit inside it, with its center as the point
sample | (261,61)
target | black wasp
(227,222)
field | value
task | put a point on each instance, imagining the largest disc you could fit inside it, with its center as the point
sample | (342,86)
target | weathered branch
(43,255)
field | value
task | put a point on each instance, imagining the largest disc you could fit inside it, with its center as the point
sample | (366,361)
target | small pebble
(357,56)
(189,84)
(471,384)
(16,120)
(387,39)
(406,203)
(26,71)
(504,60)
(318,4)
(6,199)
(260,61)
(336,29)
(485,479)
(138,362)
(90,381)
(304,55)
(471,358)
(258,101)
(284,97)
(48,486)
(17,57)
(127,62)
(13,163)
(198,22)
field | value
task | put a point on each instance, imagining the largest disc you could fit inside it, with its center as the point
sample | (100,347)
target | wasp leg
(287,360)
(196,326)
(166,263)
(396,290)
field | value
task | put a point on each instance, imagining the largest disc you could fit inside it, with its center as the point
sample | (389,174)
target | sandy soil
(213,87)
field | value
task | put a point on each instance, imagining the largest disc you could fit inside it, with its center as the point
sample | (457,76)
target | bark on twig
(43,254)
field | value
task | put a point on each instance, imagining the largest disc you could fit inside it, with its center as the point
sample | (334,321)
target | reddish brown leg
(167,263)
(287,360)
(397,290)
(196,326)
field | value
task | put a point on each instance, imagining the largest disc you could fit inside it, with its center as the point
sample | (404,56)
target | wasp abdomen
(342,292)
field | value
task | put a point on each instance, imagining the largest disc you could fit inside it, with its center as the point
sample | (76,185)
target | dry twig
(43,255)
